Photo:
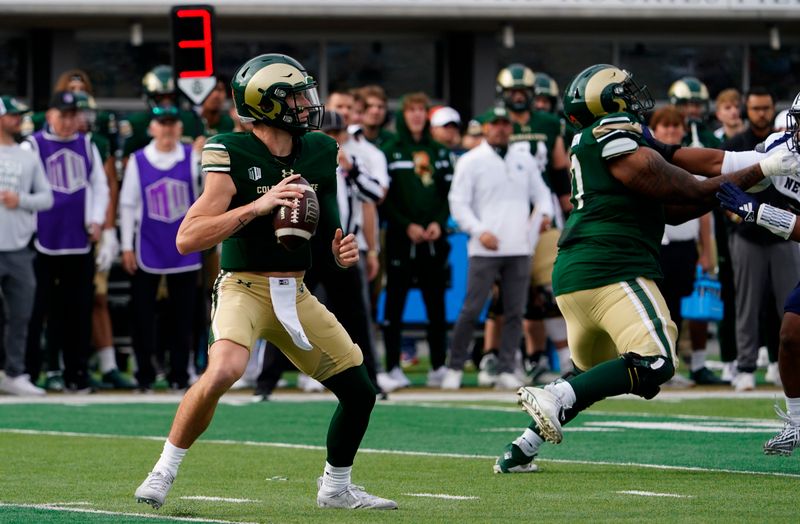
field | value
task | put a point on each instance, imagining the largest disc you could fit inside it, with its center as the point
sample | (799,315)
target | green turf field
(625,460)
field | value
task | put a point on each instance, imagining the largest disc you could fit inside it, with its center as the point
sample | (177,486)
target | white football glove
(109,249)
(781,162)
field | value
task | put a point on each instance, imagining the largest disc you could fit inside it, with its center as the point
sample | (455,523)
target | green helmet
(688,89)
(512,78)
(158,81)
(603,89)
(262,90)
(545,86)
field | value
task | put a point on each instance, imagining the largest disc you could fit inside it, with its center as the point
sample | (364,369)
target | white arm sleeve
(100,191)
(130,203)
(736,160)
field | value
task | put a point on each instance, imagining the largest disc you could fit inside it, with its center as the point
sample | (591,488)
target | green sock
(356,396)
(608,379)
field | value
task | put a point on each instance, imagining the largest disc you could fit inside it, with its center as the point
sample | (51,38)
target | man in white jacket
(493,189)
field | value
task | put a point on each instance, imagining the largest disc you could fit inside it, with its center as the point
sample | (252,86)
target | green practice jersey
(699,135)
(254,171)
(541,131)
(612,234)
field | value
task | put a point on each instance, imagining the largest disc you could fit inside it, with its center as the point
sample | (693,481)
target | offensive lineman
(260,292)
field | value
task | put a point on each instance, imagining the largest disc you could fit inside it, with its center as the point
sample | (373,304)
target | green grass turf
(104,471)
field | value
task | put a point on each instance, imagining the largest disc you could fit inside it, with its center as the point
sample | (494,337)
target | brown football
(295,225)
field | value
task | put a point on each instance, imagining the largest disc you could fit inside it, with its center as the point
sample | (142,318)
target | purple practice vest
(62,228)
(166,197)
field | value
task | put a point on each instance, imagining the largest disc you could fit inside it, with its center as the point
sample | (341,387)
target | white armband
(776,220)
(737,160)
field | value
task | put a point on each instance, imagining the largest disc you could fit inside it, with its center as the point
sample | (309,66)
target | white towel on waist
(283,292)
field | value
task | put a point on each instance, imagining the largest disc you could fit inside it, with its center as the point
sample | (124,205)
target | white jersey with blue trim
(788,186)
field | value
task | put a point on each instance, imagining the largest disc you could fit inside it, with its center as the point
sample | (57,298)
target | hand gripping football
(295,225)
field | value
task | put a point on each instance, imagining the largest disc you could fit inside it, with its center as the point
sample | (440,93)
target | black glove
(666,151)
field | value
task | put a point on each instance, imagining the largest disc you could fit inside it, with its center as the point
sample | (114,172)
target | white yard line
(52,507)
(219,499)
(652,494)
(400,452)
(415,395)
(441,496)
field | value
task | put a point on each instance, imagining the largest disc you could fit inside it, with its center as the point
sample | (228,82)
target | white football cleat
(154,489)
(545,409)
(352,497)
(787,440)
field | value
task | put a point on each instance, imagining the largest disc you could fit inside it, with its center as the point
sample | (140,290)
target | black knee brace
(648,373)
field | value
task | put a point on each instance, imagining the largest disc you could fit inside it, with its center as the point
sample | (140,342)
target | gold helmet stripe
(506,79)
(272,74)
(595,86)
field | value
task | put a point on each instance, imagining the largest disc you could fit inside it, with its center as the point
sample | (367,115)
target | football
(295,225)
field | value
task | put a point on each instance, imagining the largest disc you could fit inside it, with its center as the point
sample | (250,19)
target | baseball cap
(474,128)
(165,113)
(11,106)
(494,114)
(332,121)
(440,116)
(65,101)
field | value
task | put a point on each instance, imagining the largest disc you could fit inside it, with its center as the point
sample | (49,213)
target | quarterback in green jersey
(260,292)
(624,189)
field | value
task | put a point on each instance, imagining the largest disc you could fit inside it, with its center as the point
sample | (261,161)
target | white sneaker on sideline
(679,381)
(487,376)
(308,384)
(435,377)
(452,379)
(762,360)
(352,497)
(729,371)
(744,382)
(398,376)
(243,383)
(21,385)
(507,380)
(154,489)
(386,382)
(773,375)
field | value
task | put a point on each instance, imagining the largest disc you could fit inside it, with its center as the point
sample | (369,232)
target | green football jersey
(542,131)
(612,234)
(254,171)
(699,135)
